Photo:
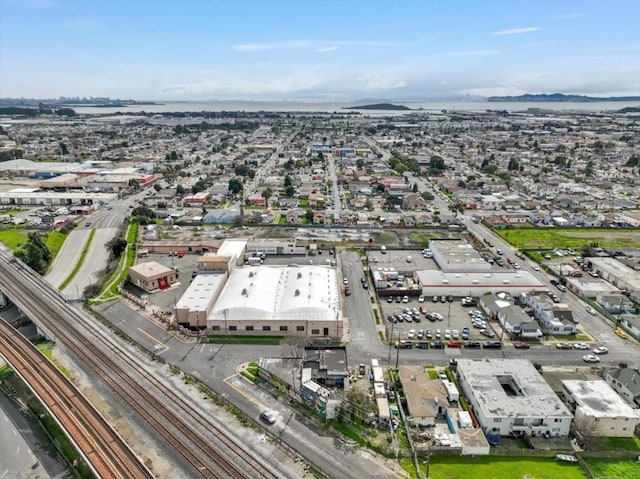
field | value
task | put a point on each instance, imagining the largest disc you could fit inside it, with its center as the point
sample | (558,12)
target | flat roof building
(426,398)
(436,283)
(599,410)
(194,306)
(152,276)
(509,396)
(457,256)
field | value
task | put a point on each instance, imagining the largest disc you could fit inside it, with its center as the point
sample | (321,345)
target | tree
(427,196)
(355,406)
(63,149)
(266,194)
(116,246)
(288,181)
(180,190)
(308,216)
(134,185)
(414,188)
(35,253)
(289,191)
(360,163)
(157,187)
(235,186)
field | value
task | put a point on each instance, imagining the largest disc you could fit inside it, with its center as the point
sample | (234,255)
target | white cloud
(327,49)
(567,16)
(516,31)
(312,44)
(468,53)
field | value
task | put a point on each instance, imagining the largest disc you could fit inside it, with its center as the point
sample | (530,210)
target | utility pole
(398,351)
(390,337)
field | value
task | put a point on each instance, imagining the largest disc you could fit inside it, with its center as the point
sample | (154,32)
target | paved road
(24,454)
(216,366)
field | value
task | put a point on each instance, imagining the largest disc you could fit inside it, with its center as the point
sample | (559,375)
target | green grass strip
(78,265)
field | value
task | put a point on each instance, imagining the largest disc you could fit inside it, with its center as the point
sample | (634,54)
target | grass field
(14,237)
(616,444)
(496,467)
(613,468)
(576,238)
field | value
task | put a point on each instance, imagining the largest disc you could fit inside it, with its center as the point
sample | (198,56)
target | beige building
(599,410)
(152,276)
(213,263)
(426,398)
(193,308)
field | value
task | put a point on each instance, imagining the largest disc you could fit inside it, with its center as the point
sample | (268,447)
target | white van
(383,249)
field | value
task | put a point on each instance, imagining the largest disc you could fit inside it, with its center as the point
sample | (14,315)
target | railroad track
(103,449)
(207,448)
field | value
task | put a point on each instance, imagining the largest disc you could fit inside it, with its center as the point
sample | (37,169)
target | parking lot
(450,316)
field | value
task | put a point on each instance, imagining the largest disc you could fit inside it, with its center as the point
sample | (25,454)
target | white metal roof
(198,295)
(266,292)
(597,398)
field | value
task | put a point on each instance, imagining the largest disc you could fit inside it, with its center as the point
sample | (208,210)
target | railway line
(103,449)
(204,445)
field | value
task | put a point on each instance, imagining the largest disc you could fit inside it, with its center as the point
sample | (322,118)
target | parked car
(492,345)
(600,350)
(437,345)
(561,287)
(88,223)
(398,299)
(434,299)
(521,345)
(411,334)
(590,358)
(465,333)
(405,299)
(473,345)
(389,299)
(563,346)
(422,345)
(420,299)
(402,344)
(443,299)
(488,333)
(429,334)
(582,346)
(454,344)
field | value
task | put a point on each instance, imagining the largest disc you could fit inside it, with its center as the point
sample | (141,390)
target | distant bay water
(330,107)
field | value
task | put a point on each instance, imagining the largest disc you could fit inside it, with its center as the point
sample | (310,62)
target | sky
(317,49)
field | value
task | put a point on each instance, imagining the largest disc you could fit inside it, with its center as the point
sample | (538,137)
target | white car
(590,310)
(600,350)
(535,267)
(405,299)
(583,346)
(420,299)
(591,358)
(411,334)
(455,334)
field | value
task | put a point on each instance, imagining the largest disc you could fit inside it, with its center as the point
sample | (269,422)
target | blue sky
(320,50)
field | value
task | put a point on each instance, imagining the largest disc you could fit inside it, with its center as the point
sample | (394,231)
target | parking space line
(157,341)
(226,380)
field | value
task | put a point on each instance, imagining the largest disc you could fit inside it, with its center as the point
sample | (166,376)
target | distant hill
(377,106)
(629,109)
(558,97)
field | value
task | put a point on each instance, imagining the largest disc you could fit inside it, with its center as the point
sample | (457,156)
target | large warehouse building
(226,298)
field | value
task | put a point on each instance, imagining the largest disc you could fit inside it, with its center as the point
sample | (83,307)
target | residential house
(626,382)
(555,318)
(426,398)
(598,410)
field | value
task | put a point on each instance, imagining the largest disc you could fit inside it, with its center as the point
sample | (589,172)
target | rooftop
(597,398)
(198,294)
(266,292)
(510,388)
(150,269)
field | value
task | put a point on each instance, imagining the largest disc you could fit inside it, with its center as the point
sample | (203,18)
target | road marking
(159,344)
(226,380)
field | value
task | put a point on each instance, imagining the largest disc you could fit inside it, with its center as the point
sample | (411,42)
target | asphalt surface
(216,365)
(24,453)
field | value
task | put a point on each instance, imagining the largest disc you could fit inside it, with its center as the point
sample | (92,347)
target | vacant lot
(492,467)
(576,238)
(618,468)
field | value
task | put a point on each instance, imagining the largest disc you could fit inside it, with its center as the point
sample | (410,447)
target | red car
(521,345)
(88,223)
(180,254)
(454,344)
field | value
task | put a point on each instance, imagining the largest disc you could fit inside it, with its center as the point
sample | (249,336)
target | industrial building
(152,276)
(510,397)
(454,256)
(437,283)
(289,300)
(599,410)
